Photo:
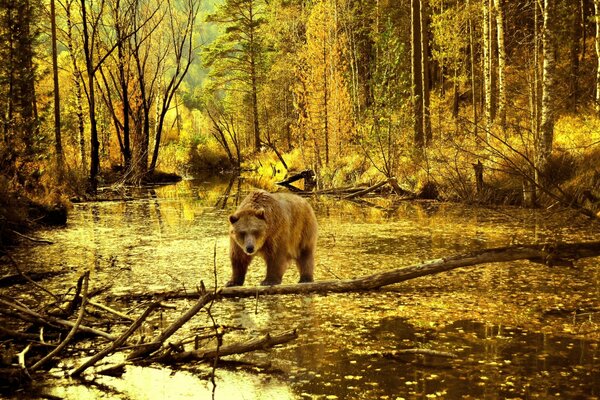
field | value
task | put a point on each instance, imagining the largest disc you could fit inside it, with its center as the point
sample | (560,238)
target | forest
(464,103)
(98,92)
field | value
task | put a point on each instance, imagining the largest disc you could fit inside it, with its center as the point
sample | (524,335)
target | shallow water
(519,330)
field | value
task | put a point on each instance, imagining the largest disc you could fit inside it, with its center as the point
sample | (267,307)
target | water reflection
(519,330)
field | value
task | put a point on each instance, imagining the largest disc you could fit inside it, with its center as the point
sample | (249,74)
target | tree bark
(560,254)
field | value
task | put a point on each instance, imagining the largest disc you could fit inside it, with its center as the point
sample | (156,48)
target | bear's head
(248,229)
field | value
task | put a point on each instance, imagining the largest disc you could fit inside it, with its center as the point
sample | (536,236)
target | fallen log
(549,254)
(365,191)
(261,343)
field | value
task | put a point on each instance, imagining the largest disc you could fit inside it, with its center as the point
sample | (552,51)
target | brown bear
(279,227)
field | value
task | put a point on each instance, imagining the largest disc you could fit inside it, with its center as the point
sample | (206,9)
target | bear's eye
(254,232)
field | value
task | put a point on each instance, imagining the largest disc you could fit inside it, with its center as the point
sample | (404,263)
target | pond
(518,330)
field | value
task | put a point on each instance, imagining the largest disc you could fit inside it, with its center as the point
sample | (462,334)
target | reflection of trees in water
(222,200)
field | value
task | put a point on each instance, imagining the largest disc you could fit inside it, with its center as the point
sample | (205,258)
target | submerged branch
(117,343)
(261,343)
(157,343)
(26,314)
(73,331)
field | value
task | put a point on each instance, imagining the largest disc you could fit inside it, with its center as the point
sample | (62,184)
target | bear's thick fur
(279,227)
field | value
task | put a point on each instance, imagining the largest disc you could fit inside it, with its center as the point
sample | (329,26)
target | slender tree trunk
(184,51)
(325,103)
(57,133)
(254,83)
(77,89)
(487,65)
(501,64)
(575,48)
(544,145)
(417,74)
(94,143)
(472,61)
(124,87)
(424,23)
(536,105)
(583,18)
(597,42)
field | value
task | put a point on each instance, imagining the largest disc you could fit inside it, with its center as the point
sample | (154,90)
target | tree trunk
(544,145)
(501,63)
(472,61)
(557,254)
(424,24)
(254,83)
(94,143)
(417,74)
(77,89)
(575,48)
(597,42)
(124,88)
(325,103)
(487,65)
(57,133)
(184,51)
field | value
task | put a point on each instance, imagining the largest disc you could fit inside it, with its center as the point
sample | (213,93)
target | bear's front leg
(239,264)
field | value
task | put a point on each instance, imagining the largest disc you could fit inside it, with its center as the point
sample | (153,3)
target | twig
(214,323)
(73,331)
(117,343)
(425,352)
(110,310)
(21,356)
(47,320)
(31,238)
(28,279)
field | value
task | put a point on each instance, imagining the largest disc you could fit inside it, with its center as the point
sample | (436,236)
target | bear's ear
(260,213)
(233,218)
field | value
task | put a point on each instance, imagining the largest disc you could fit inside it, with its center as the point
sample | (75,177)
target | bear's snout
(250,249)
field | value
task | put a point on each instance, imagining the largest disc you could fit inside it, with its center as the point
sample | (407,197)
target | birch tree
(499,8)
(546,137)
(488,64)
